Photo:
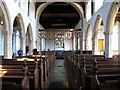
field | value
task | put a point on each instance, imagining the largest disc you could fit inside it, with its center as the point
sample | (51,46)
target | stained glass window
(60,42)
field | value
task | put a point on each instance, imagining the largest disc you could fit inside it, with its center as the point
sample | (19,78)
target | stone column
(108,44)
(93,45)
(77,42)
(96,45)
(118,38)
(81,42)
(22,44)
(8,45)
(85,43)
(45,44)
(54,45)
(31,46)
(40,44)
(72,41)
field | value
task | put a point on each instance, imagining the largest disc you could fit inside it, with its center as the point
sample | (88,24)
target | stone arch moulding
(6,16)
(79,9)
(22,31)
(96,25)
(21,24)
(111,16)
(7,31)
(43,6)
(109,26)
(86,33)
(30,33)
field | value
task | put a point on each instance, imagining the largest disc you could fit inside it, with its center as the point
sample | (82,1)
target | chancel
(55,44)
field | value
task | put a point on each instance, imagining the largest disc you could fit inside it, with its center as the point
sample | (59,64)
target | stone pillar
(108,44)
(8,45)
(45,44)
(118,38)
(54,45)
(40,44)
(96,45)
(72,41)
(77,43)
(31,46)
(85,43)
(22,44)
(93,45)
(81,42)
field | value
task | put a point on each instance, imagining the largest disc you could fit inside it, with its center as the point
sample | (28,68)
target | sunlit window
(59,42)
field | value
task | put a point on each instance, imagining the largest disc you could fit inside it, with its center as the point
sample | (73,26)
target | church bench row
(100,79)
(11,74)
(75,68)
(104,70)
(17,65)
(16,82)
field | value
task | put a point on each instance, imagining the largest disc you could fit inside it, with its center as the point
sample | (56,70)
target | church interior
(59,44)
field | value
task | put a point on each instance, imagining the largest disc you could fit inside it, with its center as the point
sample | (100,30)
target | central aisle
(59,77)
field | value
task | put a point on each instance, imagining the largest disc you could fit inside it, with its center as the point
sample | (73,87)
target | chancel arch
(98,36)
(18,37)
(59,22)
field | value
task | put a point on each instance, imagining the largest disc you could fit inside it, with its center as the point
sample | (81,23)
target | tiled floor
(59,77)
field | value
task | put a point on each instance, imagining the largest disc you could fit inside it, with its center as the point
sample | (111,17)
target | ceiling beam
(60,15)
(59,30)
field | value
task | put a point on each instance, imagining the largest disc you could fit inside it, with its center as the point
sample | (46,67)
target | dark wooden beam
(60,15)
(46,30)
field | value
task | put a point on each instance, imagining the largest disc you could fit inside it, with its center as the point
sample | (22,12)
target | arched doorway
(18,36)
(98,37)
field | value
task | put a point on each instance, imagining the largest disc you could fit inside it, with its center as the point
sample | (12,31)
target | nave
(60,77)
(75,71)
(85,35)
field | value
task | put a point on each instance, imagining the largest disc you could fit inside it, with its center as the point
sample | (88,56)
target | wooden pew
(33,71)
(107,71)
(89,60)
(45,64)
(102,82)
(16,82)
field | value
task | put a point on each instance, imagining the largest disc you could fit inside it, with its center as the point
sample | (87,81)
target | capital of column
(22,37)
(107,33)
(93,38)
(85,39)
(8,32)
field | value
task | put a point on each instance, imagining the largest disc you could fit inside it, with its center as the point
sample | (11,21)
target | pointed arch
(21,24)
(29,39)
(21,27)
(109,29)
(96,43)
(88,31)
